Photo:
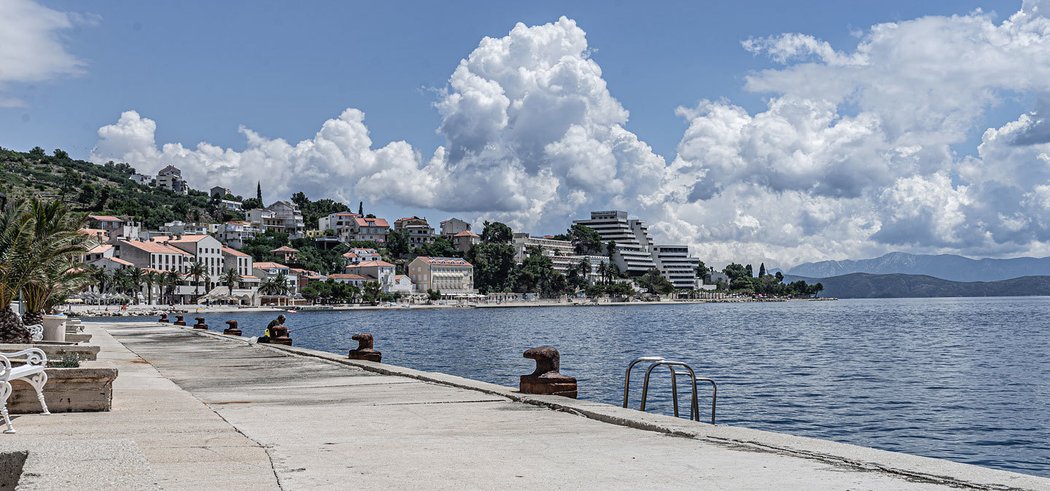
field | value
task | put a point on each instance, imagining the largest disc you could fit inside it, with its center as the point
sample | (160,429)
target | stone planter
(77,337)
(54,327)
(55,352)
(68,390)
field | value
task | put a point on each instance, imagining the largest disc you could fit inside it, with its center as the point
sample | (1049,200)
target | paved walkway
(196,411)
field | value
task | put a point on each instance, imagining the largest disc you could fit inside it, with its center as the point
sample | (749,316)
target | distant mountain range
(863,285)
(944,266)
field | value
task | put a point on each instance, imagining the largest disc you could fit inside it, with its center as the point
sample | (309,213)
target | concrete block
(78,338)
(68,390)
(55,352)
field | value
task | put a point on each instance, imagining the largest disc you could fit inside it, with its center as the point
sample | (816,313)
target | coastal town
(411,261)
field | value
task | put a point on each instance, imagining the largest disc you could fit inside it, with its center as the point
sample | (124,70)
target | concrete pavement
(325,422)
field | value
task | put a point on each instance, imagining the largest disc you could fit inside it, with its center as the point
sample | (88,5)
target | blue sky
(201,69)
(759,132)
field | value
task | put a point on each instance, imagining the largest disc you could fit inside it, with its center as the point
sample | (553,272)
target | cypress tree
(361,208)
(258,191)
(761,270)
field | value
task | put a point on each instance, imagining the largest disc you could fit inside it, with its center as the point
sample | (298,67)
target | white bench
(32,372)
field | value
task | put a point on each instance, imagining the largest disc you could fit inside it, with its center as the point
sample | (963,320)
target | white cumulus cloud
(31,47)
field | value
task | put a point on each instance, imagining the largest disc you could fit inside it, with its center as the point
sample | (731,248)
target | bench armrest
(5,368)
(33,356)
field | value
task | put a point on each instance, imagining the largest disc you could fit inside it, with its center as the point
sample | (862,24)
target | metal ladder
(656,361)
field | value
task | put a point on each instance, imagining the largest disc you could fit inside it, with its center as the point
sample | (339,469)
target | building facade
(449,275)
(170,178)
(417,230)
(281,216)
(635,253)
(370,229)
(453,226)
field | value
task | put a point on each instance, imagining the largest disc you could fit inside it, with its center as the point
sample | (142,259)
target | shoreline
(91,311)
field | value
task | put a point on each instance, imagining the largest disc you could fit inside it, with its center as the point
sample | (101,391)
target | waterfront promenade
(199,410)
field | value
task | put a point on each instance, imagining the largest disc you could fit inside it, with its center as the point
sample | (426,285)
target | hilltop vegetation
(863,285)
(100,189)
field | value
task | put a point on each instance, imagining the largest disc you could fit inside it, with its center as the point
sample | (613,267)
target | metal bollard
(163,318)
(547,379)
(279,335)
(179,320)
(232,329)
(200,324)
(365,351)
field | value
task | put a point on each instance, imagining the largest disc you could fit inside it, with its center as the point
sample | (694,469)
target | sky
(765,132)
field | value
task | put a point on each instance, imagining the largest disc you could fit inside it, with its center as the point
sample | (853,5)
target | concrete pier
(203,410)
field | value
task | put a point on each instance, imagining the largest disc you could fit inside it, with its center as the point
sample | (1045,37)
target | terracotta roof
(370,264)
(188,238)
(345,214)
(349,255)
(249,276)
(105,218)
(346,276)
(269,265)
(285,249)
(371,222)
(445,261)
(154,247)
(91,231)
(117,260)
(466,233)
(100,249)
(233,252)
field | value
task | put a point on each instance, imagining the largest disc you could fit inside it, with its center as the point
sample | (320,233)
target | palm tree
(150,278)
(230,279)
(170,281)
(603,271)
(121,280)
(101,278)
(38,244)
(197,270)
(135,280)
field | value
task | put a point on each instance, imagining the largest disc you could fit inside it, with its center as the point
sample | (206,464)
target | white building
(677,266)
(153,255)
(281,216)
(206,250)
(417,230)
(402,284)
(449,275)
(453,226)
(142,179)
(235,233)
(179,227)
(361,254)
(636,253)
(380,271)
(561,252)
(342,224)
(268,270)
(170,178)
(370,229)
(349,279)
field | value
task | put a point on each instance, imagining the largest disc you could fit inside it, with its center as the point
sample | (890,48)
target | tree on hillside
(361,208)
(258,190)
(61,154)
(750,272)
(585,240)
(397,243)
(496,233)
(761,270)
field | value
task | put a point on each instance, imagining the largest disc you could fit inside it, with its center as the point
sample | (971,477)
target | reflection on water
(963,379)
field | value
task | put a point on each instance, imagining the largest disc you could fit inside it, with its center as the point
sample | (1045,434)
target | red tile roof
(371,222)
(154,247)
(346,276)
(466,233)
(269,265)
(105,218)
(370,264)
(444,261)
(285,249)
(233,252)
(188,238)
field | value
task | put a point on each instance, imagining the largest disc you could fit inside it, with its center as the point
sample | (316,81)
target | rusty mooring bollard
(232,330)
(279,335)
(200,324)
(179,321)
(365,351)
(546,379)
(163,318)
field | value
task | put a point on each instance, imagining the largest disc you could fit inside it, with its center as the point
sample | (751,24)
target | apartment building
(235,233)
(677,266)
(380,271)
(153,255)
(281,216)
(417,230)
(561,252)
(465,241)
(265,270)
(635,251)
(453,226)
(449,275)
(341,223)
(360,254)
(170,178)
(370,229)
(204,249)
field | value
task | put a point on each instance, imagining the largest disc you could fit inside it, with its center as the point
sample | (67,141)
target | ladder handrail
(694,409)
(627,375)
(714,396)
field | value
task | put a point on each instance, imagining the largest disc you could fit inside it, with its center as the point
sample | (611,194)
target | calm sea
(966,379)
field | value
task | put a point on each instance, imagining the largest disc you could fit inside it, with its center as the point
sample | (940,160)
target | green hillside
(864,285)
(101,189)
